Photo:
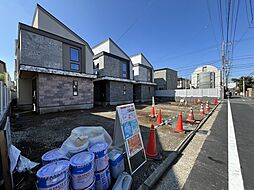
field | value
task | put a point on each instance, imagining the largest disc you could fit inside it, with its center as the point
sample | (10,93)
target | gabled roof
(141,60)
(63,26)
(111,47)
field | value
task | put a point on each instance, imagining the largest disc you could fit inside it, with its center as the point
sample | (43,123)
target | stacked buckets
(82,171)
(88,170)
(102,173)
(54,175)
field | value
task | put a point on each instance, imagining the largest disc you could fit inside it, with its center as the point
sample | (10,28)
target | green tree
(2,77)
(249,82)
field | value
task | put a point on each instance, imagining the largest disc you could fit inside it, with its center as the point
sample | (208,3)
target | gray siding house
(166,79)
(113,67)
(144,87)
(54,66)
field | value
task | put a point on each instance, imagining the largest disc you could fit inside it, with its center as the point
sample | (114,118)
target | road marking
(235,179)
(243,100)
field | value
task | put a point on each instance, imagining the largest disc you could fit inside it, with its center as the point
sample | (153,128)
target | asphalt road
(226,158)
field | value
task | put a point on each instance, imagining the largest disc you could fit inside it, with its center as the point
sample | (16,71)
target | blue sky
(171,33)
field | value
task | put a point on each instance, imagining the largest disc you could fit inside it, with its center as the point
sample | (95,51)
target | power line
(210,18)
(189,53)
(236,19)
(135,21)
(221,19)
(228,19)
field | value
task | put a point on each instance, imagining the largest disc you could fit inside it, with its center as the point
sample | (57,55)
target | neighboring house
(2,67)
(113,67)
(166,79)
(4,75)
(54,66)
(183,83)
(144,87)
(206,76)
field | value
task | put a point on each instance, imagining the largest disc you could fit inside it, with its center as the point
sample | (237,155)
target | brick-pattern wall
(40,51)
(116,92)
(111,67)
(147,92)
(143,93)
(57,90)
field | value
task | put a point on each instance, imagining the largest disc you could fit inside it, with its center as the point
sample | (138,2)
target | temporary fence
(5,99)
(207,92)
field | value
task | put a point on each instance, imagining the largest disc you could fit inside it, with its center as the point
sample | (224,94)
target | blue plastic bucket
(54,175)
(100,150)
(91,187)
(82,170)
(116,163)
(52,156)
(103,179)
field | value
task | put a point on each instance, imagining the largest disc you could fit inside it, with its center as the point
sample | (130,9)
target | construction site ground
(36,134)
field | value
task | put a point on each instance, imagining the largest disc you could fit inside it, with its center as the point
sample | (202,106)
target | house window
(75,88)
(124,89)
(74,59)
(74,66)
(74,55)
(149,75)
(125,69)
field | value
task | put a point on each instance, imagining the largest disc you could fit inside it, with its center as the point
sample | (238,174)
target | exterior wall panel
(40,51)
(57,91)
(116,92)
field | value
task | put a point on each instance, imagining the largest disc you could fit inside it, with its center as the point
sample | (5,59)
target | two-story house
(54,66)
(113,66)
(165,78)
(144,86)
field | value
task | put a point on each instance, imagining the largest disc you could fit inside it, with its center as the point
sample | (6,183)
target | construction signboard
(127,134)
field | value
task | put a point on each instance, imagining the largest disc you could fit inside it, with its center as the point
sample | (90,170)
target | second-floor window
(125,70)
(149,75)
(74,59)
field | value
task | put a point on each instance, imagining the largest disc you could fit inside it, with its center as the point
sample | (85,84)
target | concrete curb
(168,162)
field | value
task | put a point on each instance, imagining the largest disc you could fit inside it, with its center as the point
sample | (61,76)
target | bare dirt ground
(36,134)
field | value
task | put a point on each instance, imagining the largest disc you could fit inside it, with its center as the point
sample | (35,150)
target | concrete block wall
(116,92)
(55,93)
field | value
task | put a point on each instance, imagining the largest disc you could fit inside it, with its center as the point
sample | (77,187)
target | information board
(127,134)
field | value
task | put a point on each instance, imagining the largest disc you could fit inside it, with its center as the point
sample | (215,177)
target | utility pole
(243,87)
(223,71)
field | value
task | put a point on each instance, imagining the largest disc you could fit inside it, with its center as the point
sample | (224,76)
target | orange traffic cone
(151,149)
(190,118)
(195,101)
(215,101)
(153,112)
(207,108)
(201,111)
(179,126)
(159,118)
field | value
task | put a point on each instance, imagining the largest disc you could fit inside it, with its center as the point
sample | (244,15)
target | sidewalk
(176,177)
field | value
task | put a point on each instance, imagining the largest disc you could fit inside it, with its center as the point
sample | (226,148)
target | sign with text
(127,132)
